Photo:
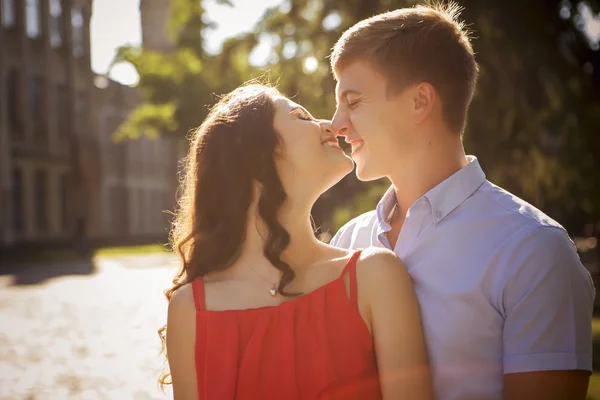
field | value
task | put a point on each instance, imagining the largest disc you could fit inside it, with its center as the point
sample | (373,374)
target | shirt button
(438,214)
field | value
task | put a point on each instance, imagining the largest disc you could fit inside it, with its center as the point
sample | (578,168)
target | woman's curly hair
(233,150)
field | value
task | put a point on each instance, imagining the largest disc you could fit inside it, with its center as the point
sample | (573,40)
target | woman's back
(313,347)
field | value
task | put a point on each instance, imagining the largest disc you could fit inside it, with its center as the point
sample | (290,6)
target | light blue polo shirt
(500,284)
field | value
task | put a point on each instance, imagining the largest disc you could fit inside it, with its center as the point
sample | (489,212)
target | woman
(260,308)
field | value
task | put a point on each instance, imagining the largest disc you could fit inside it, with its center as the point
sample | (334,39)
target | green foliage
(151,119)
(533,124)
(185,25)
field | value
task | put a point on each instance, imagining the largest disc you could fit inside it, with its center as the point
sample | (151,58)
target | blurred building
(46,82)
(138,176)
(62,177)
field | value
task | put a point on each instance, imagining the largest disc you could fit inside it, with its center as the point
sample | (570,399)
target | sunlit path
(85,336)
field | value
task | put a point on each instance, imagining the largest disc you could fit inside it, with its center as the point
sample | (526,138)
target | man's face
(373,123)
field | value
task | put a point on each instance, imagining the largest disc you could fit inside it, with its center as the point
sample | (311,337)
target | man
(505,300)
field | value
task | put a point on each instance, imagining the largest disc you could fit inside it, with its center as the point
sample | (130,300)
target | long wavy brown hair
(230,154)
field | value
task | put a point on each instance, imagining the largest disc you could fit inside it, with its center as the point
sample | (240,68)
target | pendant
(273,291)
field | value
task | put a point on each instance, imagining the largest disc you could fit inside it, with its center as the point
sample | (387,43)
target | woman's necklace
(274,286)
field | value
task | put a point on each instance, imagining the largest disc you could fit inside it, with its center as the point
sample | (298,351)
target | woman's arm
(181,335)
(394,316)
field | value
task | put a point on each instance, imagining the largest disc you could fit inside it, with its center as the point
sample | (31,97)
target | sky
(110,29)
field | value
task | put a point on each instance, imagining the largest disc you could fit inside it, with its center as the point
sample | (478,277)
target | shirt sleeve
(336,239)
(343,237)
(548,300)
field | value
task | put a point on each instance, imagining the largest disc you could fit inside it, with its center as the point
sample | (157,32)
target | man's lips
(356,145)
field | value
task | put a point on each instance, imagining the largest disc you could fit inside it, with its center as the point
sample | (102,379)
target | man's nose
(340,123)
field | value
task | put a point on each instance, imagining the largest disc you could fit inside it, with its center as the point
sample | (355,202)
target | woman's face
(310,159)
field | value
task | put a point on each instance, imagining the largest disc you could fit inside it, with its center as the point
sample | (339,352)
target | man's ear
(423,99)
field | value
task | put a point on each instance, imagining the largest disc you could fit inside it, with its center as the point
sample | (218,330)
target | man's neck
(425,170)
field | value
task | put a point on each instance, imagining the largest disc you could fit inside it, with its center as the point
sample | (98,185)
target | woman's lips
(332,142)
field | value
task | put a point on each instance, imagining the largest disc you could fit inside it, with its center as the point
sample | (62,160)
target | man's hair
(413,45)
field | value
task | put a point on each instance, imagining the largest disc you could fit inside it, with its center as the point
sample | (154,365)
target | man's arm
(345,237)
(547,303)
(335,239)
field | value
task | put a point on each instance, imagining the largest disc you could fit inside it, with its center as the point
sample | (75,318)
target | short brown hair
(419,44)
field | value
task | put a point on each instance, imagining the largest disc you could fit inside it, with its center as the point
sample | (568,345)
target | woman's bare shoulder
(376,266)
(379,257)
(182,301)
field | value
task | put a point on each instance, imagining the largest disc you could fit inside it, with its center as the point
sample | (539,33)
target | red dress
(314,347)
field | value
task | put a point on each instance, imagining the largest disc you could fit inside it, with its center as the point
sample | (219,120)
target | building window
(13,103)
(80,112)
(144,211)
(64,199)
(32,18)
(62,111)
(167,207)
(35,95)
(17,201)
(41,201)
(8,13)
(118,211)
(151,204)
(56,32)
(119,156)
(77,23)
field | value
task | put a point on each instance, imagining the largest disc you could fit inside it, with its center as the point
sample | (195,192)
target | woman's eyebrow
(296,108)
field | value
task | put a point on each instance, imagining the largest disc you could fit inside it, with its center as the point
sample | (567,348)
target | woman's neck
(303,248)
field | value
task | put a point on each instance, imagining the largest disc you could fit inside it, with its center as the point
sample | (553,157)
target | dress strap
(198,290)
(351,269)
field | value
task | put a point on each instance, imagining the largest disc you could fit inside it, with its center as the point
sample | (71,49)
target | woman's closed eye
(302,114)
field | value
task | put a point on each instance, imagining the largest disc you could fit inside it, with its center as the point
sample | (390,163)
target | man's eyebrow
(346,92)
(349,91)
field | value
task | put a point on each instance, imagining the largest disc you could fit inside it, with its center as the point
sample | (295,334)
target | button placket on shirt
(383,241)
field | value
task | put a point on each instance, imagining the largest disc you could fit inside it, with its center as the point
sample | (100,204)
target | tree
(177,86)
(534,121)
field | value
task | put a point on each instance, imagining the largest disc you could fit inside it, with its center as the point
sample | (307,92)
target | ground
(84,330)
(87,329)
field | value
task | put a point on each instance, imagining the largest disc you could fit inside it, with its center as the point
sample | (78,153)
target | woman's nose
(327,127)
(339,123)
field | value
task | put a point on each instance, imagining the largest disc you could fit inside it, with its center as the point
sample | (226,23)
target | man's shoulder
(514,211)
(364,222)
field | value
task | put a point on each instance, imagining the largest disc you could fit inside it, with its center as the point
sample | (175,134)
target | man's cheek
(356,119)
(362,121)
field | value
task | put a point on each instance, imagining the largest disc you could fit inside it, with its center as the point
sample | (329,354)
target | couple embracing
(452,288)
